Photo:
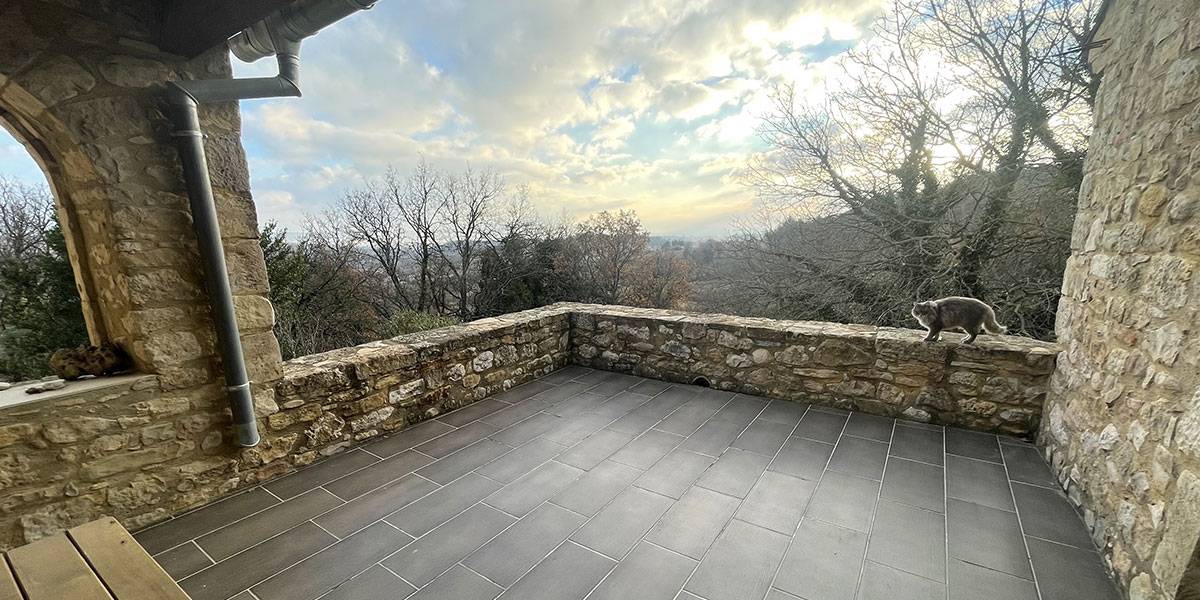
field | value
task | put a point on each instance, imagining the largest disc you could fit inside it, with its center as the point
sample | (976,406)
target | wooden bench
(94,561)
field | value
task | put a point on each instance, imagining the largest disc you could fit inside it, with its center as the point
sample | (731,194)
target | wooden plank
(52,569)
(8,585)
(122,564)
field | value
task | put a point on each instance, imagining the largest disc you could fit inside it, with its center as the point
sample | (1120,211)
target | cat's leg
(972,333)
(934,332)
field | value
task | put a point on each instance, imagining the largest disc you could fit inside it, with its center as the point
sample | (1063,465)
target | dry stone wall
(998,384)
(1123,416)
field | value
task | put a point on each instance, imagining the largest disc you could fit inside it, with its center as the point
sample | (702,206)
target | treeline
(40,310)
(413,251)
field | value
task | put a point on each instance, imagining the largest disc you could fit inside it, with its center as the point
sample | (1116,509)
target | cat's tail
(990,324)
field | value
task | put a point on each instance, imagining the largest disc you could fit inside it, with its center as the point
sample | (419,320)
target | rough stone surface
(1123,426)
(998,384)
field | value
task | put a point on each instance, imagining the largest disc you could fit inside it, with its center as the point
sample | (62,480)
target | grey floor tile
(1047,514)
(564,374)
(713,437)
(528,429)
(456,440)
(181,561)
(644,417)
(650,387)
(672,475)
(740,564)
(973,444)
(870,426)
(972,582)
(1066,573)
(244,596)
(326,569)
(691,525)
(425,514)
(1026,465)
(316,475)
(734,473)
(691,415)
(823,562)
(916,443)
(372,506)
(423,560)
(742,409)
(376,583)
(763,436)
(859,457)
(380,473)
(844,500)
(523,495)
(230,540)
(774,594)
(977,481)
(513,553)
(464,461)
(647,449)
(458,583)
(516,413)
(533,388)
(987,537)
(821,426)
(786,412)
(575,429)
(614,383)
(593,450)
(203,520)
(915,484)
(472,412)
(777,502)
(620,524)
(256,564)
(520,461)
(803,458)
(577,405)
(569,573)
(620,404)
(563,391)
(648,573)
(588,494)
(881,582)
(408,439)
(909,539)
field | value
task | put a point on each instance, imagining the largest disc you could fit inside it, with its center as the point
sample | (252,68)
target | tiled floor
(605,486)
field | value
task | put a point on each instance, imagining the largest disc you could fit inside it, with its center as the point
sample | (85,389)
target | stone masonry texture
(1122,421)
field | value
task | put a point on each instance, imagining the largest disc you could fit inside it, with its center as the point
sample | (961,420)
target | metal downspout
(279,34)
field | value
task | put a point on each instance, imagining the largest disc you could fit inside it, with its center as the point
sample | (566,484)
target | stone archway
(33,133)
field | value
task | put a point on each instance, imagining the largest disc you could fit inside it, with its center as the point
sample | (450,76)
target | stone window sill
(16,396)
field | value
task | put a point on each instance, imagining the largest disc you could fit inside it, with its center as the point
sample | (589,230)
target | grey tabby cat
(968,314)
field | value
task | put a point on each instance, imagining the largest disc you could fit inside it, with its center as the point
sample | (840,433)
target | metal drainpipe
(279,34)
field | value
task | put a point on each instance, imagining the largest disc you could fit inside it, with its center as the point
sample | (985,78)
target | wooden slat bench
(94,561)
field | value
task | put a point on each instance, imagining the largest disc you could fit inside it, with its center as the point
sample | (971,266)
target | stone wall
(1123,416)
(131,450)
(998,384)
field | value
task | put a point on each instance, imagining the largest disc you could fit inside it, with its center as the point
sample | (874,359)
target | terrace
(589,483)
(590,451)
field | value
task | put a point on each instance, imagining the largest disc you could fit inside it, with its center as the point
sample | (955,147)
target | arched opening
(40,301)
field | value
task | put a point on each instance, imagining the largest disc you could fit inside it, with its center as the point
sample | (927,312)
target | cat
(968,314)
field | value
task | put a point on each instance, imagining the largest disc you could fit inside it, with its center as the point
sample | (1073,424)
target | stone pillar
(1122,424)
(81,84)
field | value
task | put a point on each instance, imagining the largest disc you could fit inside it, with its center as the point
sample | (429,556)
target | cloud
(642,104)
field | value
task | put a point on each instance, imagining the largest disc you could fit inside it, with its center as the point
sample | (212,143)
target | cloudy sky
(594,104)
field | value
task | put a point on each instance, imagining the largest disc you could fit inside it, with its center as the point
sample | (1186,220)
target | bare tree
(601,253)
(26,215)
(929,171)
(372,216)
(421,205)
(469,200)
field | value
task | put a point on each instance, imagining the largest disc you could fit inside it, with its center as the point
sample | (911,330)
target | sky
(592,104)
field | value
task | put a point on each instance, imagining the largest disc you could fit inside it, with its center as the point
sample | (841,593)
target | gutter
(279,35)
